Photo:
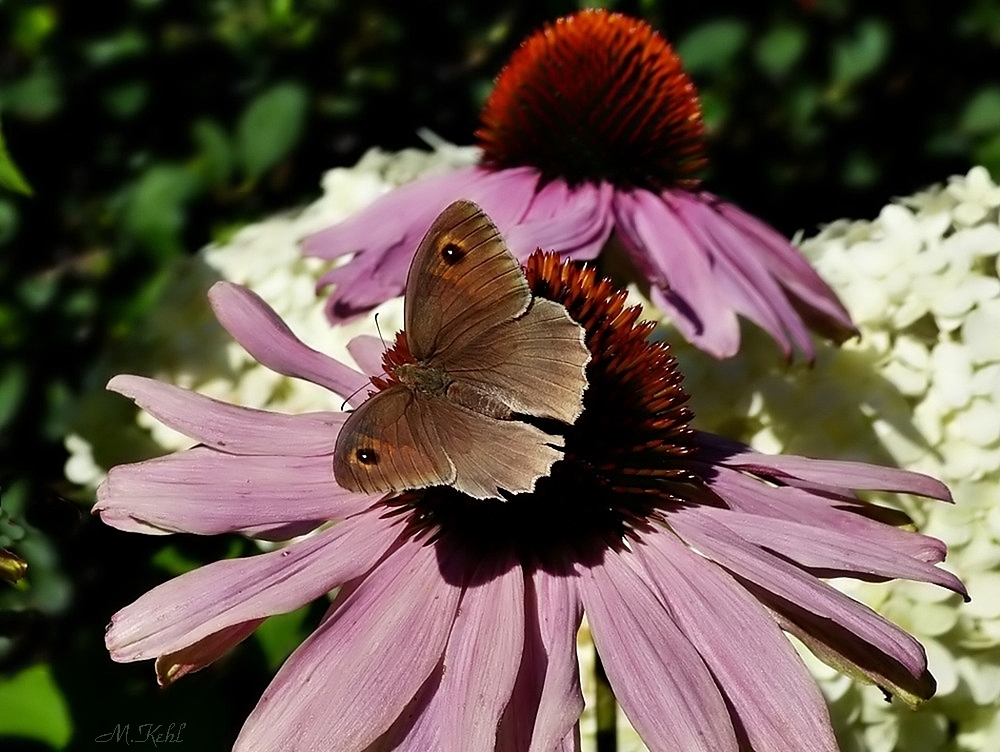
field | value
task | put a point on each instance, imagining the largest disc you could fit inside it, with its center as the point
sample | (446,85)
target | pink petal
(890,648)
(756,293)
(200,603)
(772,694)
(170,668)
(207,492)
(229,428)
(749,494)
(393,218)
(367,352)
(546,703)
(344,686)
(479,667)
(681,271)
(255,325)
(793,271)
(825,548)
(658,677)
(385,235)
(573,221)
(835,473)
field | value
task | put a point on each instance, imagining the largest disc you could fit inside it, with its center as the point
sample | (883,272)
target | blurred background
(142,130)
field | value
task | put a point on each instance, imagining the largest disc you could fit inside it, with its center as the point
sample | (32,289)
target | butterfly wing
(463,281)
(391,443)
(470,313)
(535,364)
(398,440)
(490,454)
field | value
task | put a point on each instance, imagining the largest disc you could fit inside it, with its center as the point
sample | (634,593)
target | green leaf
(126,100)
(780,49)
(270,127)
(982,113)
(13,385)
(34,707)
(37,96)
(280,635)
(857,58)
(215,154)
(711,47)
(11,177)
(988,155)
(9,221)
(156,212)
(127,43)
(714,110)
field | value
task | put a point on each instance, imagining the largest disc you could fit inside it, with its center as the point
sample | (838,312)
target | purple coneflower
(455,622)
(593,127)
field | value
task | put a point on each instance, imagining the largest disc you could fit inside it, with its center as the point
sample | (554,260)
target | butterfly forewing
(390,443)
(463,281)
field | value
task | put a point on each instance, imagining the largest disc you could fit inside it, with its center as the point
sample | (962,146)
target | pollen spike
(627,114)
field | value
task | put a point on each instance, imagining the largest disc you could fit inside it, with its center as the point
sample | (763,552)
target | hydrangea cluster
(920,388)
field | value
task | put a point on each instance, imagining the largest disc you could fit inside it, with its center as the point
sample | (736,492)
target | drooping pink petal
(755,292)
(821,537)
(367,352)
(773,696)
(207,492)
(346,684)
(230,428)
(255,325)
(391,218)
(546,703)
(680,271)
(817,548)
(662,683)
(840,474)
(889,651)
(572,221)
(384,236)
(200,603)
(811,296)
(749,494)
(479,666)
(171,667)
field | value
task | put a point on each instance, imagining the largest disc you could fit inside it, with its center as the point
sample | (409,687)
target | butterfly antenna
(379,330)
(351,396)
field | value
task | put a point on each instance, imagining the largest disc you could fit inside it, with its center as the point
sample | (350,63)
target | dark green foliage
(147,128)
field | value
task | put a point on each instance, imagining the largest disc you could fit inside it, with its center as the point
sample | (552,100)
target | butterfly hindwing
(490,454)
(390,443)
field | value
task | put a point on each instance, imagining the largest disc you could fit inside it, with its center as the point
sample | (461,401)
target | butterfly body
(481,353)
(420,377)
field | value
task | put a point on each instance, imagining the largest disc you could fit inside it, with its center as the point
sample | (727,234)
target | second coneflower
(455,621)
(593,128)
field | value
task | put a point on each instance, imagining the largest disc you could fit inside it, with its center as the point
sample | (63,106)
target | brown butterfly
(485,352)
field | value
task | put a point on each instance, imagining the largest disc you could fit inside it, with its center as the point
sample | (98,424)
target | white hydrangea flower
(919,388)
